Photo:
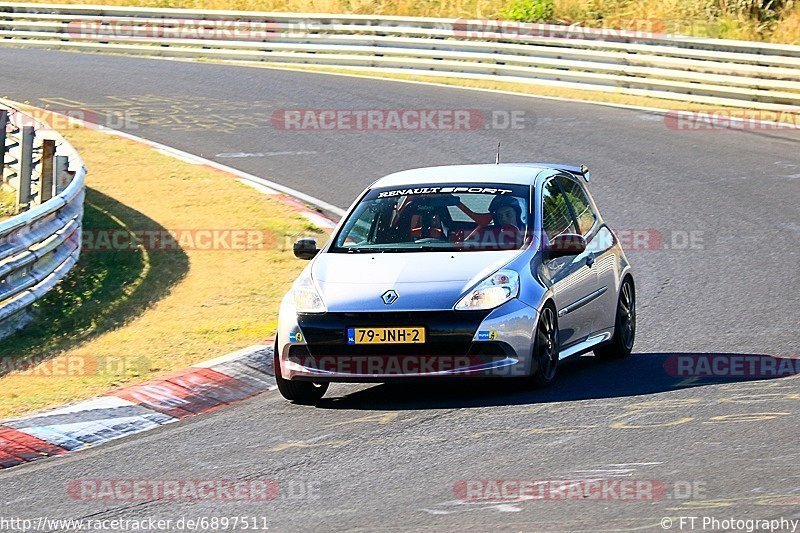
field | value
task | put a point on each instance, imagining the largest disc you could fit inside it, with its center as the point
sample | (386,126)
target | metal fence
(711,71)
(40,244)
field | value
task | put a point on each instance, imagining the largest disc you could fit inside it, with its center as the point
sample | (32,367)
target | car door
(602,305)
(571,277)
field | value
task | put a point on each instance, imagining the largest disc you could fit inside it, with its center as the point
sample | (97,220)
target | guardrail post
(47,179)
(26,168)
(36,241)
(3,126)
(60,173)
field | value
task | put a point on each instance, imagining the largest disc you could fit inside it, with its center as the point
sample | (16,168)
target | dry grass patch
(135,314)
(703,18)
(8,201)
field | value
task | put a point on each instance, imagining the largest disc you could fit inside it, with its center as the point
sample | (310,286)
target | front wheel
(546,348)
(621,343)
(299,392)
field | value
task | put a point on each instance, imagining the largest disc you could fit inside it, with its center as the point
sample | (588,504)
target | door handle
(590,261)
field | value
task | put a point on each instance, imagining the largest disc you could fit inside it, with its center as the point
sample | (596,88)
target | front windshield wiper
(420,248)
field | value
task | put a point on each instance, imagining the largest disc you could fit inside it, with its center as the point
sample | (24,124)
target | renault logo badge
(389,297)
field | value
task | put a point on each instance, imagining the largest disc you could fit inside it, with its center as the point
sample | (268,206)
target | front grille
(447,332)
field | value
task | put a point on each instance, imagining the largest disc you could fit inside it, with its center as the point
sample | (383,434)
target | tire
(621,343)
(546,348)
(299,392)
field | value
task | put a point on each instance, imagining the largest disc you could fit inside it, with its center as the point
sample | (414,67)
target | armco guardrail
(717,72)
(39,246)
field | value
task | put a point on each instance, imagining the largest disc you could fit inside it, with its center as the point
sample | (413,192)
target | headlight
(306,297)
(491,292)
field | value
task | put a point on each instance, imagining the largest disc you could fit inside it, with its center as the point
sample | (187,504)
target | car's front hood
(422,280)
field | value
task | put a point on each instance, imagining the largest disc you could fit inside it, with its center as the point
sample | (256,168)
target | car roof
(510,173)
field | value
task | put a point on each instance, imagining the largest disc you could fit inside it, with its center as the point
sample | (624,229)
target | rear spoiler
(579,172)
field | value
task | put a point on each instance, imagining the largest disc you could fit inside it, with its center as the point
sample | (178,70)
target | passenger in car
(504,232)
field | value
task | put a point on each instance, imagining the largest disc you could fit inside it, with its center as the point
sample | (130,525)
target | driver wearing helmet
(505,210)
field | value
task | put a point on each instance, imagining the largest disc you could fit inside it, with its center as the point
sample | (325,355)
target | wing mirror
(305,248)
(566,244)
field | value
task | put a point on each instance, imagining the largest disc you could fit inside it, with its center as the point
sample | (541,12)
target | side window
(556,218)
(580,203)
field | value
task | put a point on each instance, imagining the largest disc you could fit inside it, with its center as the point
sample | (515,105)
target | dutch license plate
(385,335)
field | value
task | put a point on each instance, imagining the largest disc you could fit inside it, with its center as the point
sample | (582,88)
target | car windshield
(436,217)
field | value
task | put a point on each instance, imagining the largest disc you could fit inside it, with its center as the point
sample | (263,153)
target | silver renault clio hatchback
(455,272)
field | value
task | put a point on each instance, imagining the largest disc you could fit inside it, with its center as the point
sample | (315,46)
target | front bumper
(495,343)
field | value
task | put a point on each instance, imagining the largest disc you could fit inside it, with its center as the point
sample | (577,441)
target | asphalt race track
(718,273)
